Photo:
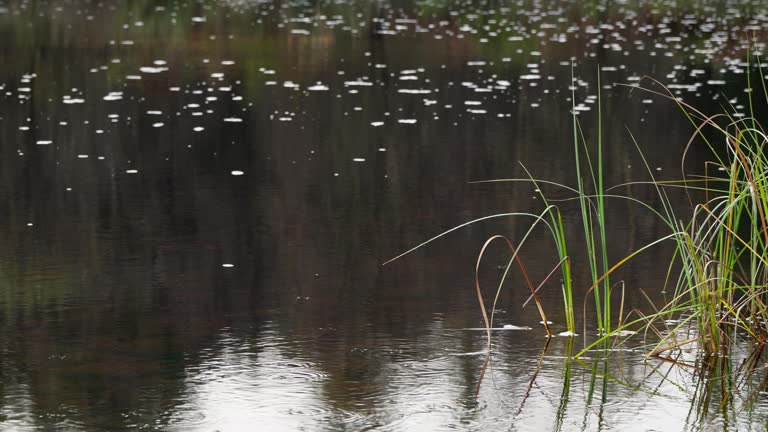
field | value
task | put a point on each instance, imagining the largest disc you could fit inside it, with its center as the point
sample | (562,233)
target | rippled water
(197,197)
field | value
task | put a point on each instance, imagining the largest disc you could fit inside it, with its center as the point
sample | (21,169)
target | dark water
(196,199)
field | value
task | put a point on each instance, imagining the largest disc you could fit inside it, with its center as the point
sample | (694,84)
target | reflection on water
(196,198)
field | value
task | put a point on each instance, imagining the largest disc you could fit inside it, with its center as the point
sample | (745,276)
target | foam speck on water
(152,70)
(113,96)
(237,173)
(131,171)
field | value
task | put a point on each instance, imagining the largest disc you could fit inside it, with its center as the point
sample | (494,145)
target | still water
(196,199)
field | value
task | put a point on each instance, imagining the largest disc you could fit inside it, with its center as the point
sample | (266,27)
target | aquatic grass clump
(719,268)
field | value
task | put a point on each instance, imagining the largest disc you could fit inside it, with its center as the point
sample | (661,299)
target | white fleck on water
(198,128)
(131,171)
(113,96)
(227,265)
(407,121)
(377,123)
(237,173)
(157,125)
(318,87)
(233,120)
(152,69)
(415,91)
(358,160)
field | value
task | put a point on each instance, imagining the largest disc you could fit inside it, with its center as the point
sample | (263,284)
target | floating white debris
(477,111)
(377,123)
(514,327)
(358,160)
(82,156)
(152,70)
(198,129)
(415,91)
(131,171)
(199,19)
(233,120)
(227,265)
(69,100)
(318,87)
(113,96)
(237,173)
(154,112)
(158,124)
(44,142)
(407,121)
(300,31)
(469,102)
(133,77)
(227,62)
(358,83)
(567,334)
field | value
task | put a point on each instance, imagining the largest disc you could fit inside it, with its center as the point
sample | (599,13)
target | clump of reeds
(721,246)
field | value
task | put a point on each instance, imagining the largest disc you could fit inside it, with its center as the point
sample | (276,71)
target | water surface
(197,198)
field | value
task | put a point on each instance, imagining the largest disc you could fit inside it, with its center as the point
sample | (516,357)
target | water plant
(718,272)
